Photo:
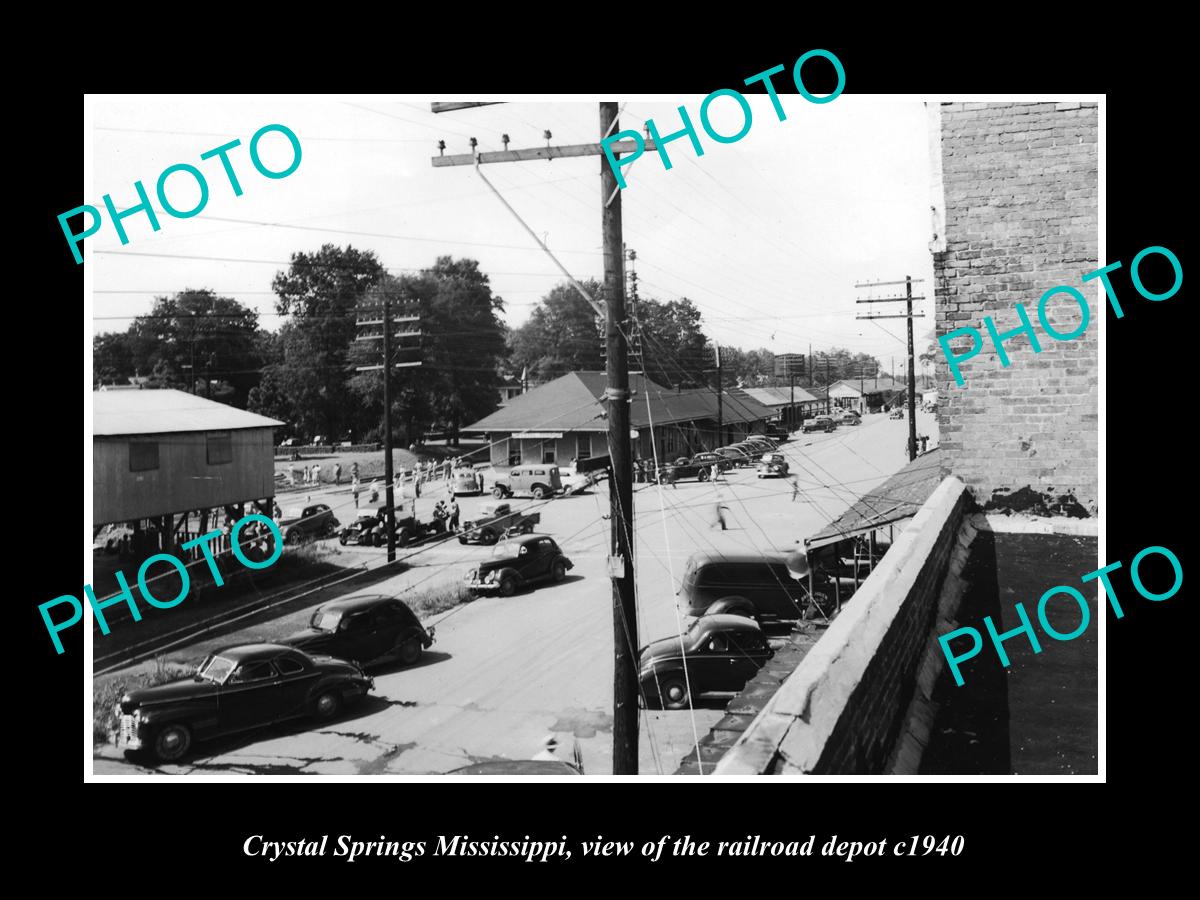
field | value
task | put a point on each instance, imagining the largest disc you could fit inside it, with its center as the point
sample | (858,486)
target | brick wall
(843,708)
(1020,188)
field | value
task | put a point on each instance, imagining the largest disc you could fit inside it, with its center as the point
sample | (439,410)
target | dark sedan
(234,690)
(367,629)
(519,562)
(698,467)
(308,524)
(718,653)
(736,456)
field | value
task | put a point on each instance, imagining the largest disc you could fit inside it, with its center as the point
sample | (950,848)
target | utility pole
(792,404)
(828,399)
(367,316)
(720,404)
(625,640)
(389,491)
(908,298)
(617,399)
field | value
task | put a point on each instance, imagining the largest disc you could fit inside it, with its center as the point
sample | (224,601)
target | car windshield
(216,669)
(505,549)
(325,620)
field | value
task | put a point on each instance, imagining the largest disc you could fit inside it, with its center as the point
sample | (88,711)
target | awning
(897,498)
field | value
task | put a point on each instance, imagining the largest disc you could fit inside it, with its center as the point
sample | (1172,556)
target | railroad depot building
(160,455)
(565,420)
(790,405)
(864,394)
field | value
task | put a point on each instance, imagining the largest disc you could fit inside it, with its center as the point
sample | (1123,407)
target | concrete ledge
(798,721)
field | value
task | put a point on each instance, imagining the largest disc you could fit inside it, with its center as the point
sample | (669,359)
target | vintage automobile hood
(493,564)
(171,692)
(661,649)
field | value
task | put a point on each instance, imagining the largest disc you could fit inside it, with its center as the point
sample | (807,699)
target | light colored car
(540,480)
(773,465)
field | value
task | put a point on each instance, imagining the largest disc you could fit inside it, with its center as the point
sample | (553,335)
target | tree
(321,291)
(185,339)
(674,349)
(561,335)
(461,351)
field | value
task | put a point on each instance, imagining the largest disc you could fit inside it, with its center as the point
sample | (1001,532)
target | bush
(105,697)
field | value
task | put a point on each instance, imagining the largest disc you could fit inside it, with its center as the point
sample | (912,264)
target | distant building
(791,407)
(864,394)
(158,454)
(565,419)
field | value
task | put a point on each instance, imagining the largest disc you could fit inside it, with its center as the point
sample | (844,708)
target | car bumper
(129,734)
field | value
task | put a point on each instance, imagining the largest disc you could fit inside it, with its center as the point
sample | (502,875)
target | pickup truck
(497,520)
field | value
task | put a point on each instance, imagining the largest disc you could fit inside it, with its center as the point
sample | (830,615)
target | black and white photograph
(674,436)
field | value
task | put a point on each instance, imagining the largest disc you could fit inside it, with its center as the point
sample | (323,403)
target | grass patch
(106,695)
(437,599)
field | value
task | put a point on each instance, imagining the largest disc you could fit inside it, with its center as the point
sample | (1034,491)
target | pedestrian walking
(716,471)
(453,515)
(294,475)
(795,487)
(337,473)
(354,489)
(672,477)
(374,488)
(354,471)
(316,473)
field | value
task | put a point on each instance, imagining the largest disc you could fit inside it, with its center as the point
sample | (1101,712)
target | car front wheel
(172,742)
(672,689)
(704,475)
(327,705)
(498,492)
(410,652)
(508,586)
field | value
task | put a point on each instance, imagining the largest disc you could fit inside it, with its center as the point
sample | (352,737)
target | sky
(767,236)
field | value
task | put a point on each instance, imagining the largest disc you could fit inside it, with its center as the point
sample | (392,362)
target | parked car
(819,423)
(756,585)
(363,530)
(517,563)
(897,413)
(718,653)
(465,483)
(365,629)
(768,442)
(698,467)
(778,431)
(736,456)
(848,417)
(291,442)
(233,690)
(773,465)
(539,481)
(109,537)
(495,521)
(308,524)
(320,439)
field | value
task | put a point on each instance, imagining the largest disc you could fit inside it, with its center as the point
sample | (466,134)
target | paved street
(507,671)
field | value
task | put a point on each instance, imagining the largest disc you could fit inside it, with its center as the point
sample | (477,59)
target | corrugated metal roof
(167,411)
(572,403)
(779,396)
(897,498)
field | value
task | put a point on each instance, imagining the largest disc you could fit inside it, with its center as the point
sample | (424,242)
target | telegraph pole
(617,399)
(625,685)
(367,317)
(908,299)
(720,405)
(387,432)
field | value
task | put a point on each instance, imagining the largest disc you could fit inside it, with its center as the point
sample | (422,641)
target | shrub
(105,696)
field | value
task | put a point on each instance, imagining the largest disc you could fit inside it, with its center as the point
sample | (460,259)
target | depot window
(549,450)
(219,448)
(143,456)
(583,446)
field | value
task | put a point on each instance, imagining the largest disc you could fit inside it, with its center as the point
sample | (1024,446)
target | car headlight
(492,575)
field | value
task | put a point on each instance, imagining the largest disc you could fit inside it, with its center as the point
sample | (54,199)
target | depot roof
(572,403)
(167,411)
